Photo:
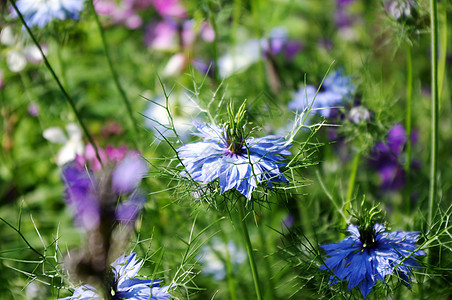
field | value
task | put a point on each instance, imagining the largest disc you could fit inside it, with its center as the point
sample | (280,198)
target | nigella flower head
(402,10)
(41,12)
(369,254)
(123,284)
(335,89)
(236,160)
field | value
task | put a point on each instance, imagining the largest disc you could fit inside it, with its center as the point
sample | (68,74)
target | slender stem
(255,9)
(249,248)
(229,271)
(351,183)
(113,71)
(330,197)
(23,238)
(235,20)
(409,97)
(60,86)
(435,110)
(213,22)
(442,44)
(270,287)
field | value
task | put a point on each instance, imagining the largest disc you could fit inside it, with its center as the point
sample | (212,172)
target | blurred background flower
(213,257)
(39,13)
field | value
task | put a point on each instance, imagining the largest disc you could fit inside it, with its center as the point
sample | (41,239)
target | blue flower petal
(210,159)
(363,266)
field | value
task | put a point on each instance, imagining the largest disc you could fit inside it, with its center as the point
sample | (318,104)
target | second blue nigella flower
(335,88)
(370,254)
(239,162)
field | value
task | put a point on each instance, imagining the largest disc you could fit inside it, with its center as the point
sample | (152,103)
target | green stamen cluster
(366,222)
(235,128)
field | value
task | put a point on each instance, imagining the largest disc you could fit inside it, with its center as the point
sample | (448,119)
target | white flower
(239,58)
(72,143)
(17,53)
(175,65)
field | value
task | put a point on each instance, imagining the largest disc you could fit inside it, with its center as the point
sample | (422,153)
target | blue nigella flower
(369,255)
(238,162)
(335,88)
(124,283)
(41,12)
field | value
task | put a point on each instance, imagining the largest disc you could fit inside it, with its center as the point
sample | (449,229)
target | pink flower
(108,155)
(125,12)
(170,8)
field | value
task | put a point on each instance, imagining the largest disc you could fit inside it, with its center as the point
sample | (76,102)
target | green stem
(255,9)
(435,111)
(60,86)
(270,287)
(249,248)
(235,20)
(409,97)
(351,184)
(212,16)
(229,271)
(114,74)
(442,40)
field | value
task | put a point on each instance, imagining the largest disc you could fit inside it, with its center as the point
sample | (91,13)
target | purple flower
(39,13)
(128,210)
(204,68)
(89,196)
(170,8)
(124,283)
(367,256)
(239,165)
(292,48)
(108,155)
(344,2)
(335,88)
(33,109)
(279,42)
(80,194)
(128,174)
(387,158)
(170,35)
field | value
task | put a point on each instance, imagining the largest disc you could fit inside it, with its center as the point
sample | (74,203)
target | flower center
(235,129)
(367,235)
(234,142)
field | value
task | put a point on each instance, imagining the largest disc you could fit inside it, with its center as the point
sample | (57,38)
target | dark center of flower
(111,285)
(366,227)
(367,235)
(234,141)
(235,130)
